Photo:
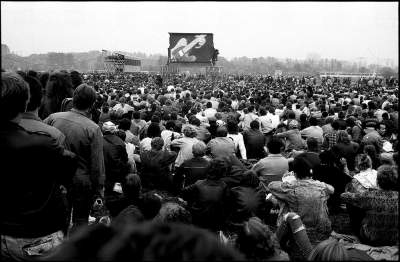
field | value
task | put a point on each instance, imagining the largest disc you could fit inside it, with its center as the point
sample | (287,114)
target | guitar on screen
(181,50)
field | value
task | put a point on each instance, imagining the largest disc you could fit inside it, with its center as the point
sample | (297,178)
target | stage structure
(115,62)
(191,53)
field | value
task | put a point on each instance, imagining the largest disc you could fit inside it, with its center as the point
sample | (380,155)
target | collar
(30,115)
(80,113)
(275,155)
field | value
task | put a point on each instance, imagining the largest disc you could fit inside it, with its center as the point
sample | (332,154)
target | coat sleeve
(97,169)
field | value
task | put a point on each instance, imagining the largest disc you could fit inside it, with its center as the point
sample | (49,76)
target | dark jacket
(33,168)
(334,177)
(347,151)
(247,202)
(83,137)
(254,141)
(156,168)
(193,169)
(207,202)
(115,161)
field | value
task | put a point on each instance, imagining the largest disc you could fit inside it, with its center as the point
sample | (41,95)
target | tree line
(93,60)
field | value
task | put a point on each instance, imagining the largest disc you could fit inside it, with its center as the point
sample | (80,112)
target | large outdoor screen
(190,47)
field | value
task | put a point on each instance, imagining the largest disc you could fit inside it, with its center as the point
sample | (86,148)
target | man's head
(84,97)
(335,125)
(313,121)
(35,91)
(14,96)
(255,125)
(157,143)
(136,115)
(124,124)
(387,177)
(275,145)
(312,144)
(301,167)
(222,131)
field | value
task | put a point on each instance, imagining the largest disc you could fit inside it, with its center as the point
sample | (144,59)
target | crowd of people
(134,166)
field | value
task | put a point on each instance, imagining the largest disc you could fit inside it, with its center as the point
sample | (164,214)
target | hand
(290,215)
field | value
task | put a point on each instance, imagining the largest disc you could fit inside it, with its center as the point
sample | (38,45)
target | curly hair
(343,137)
(387,177)
(189,131)
(256,240)
(173,212)
(363,162)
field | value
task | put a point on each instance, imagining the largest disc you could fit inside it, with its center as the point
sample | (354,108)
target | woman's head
(189,131)
(173,212)
(154,130)
(329,250)
(363,162)
(370,150)
(343,137)
(301,167)
(256,240)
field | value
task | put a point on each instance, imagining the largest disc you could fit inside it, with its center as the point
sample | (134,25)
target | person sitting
(185,145)
(254,141)
(207,198)
(152,131)
(193,169)
(293,138)
(308,197)
(274,166)
(156,166)
(222,145)
(365,177)
(248,199)
(131,194)
(313,130)
(115,160)
(312,153)
(237,138)
(334,172)
(379,227)
(345,148)
(125,125)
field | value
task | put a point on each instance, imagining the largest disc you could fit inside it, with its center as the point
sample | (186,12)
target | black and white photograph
(199,131)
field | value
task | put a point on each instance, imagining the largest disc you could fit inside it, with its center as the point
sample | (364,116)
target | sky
(295,30)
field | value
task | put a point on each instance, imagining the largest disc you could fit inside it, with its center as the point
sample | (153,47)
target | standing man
(84,138)
(33,167)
